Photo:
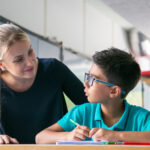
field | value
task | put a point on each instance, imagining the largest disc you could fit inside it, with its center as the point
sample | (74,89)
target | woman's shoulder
(52,65)
(48,64)
(47,61)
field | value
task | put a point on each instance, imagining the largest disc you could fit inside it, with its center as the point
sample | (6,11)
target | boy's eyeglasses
(91,80)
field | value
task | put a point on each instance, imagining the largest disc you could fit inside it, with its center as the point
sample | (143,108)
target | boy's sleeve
(65,122)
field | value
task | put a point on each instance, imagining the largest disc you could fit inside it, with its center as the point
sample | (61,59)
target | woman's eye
(19,60)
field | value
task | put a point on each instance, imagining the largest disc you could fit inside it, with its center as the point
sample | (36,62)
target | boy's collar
(98,115)
(121,123)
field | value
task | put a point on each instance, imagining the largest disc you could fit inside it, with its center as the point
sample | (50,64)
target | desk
(76,147)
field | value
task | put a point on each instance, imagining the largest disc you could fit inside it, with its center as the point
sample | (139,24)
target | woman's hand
(78,134)
(103,134)
(5,139)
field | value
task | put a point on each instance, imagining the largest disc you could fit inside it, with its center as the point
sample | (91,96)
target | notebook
(81,142)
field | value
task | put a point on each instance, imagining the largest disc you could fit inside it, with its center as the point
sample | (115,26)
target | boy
(108,116)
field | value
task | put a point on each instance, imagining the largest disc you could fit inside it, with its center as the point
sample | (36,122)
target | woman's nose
(29,62)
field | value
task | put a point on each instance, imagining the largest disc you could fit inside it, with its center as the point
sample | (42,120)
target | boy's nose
(86,85)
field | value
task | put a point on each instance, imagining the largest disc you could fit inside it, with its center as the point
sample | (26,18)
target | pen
(74,122)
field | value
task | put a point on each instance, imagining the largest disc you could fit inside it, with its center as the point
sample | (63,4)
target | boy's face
(98,92)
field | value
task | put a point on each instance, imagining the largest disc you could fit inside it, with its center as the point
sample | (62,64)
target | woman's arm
(5,139)
(74,89)
(71,85)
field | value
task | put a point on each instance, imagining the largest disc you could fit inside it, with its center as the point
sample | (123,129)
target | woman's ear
(115,91)
(1,67)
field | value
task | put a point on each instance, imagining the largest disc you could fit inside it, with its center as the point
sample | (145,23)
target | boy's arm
(128,136)
(56,133)
(134,136)
(51,135)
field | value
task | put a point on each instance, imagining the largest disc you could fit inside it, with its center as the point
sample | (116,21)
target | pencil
(74,122)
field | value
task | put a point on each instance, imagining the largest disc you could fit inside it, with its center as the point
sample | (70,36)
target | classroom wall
(83,25)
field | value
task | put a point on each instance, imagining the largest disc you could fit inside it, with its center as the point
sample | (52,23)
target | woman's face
(20,60)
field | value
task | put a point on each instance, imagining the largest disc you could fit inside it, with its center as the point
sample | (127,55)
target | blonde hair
(10,34)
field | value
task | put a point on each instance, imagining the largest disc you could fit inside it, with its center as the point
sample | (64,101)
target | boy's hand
(78,134)
(5,139)
(103,134)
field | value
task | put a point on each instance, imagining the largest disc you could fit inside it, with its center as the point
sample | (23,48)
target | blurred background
(72,30)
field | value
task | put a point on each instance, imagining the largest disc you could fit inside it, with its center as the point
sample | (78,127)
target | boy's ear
(115,91)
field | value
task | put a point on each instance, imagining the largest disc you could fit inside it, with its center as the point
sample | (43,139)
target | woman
(31,88)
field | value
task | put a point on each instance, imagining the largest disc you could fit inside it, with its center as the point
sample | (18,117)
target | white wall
(98,30)
(65,22)
(119,38)
(83,25)
(104,28)
(27,13)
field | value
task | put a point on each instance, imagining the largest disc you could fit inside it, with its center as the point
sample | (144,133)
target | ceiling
(136,12)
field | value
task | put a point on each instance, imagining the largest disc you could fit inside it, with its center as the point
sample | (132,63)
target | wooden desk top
(76,147)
